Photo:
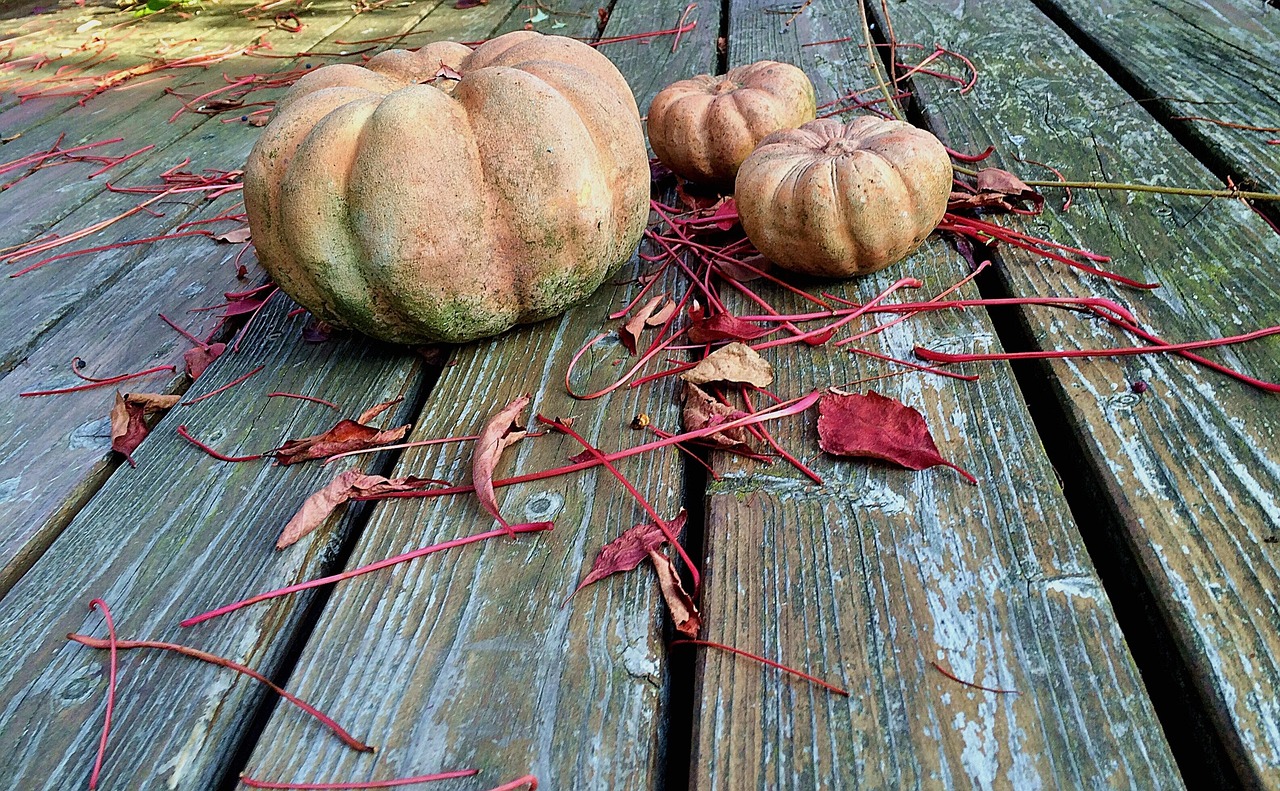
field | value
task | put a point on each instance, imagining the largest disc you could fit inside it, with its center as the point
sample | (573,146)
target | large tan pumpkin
(402,202)
(702,128)
(835,200)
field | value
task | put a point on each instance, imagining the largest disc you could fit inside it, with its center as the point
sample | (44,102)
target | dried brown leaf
(236,236)
(352,483)
(629,333)
(684,613)
(128,420)
(736,362)
(346,435)
(701,410)
(498,434)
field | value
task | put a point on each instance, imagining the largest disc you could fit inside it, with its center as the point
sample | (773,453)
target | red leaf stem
(914,366)
(764,661)
(112,645)
(787,408)
(951,290)
(645,36)
(415,444)
(951,676)
(528,780)
(103,248)
(648,508)
(213,659)
(781,451)
(648,355)
(1133,327)
(1052,354)
(653,281)
(827,331)
(402,781)
(185,434)
(95,383)
(224,388)
(1004,232)
(970,157)
(532,527)
(313,400)
(183,333)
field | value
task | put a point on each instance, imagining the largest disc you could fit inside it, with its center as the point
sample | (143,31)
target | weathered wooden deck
(1118,564)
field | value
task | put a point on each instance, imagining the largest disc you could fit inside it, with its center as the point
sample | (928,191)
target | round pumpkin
(449,194)
(702,128)
(835,200)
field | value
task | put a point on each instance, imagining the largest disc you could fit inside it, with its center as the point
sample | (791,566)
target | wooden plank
(1187,470)
(1210,58)
(181,528)
(871,578)
(467,659)
(60,200)
(103,309)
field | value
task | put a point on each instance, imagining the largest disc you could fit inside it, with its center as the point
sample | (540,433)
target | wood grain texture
(1190,466)
(103,308)
(869,579)
(159,542)
(466,659)
(1212,58)
(60,200)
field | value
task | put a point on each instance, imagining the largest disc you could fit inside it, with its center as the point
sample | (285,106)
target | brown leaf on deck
(128,420)
(236,236)
(683,611)
(873,426)
(701,410)
(347,435)
(996,188)
(201,357)
(629,550)
(498,434)
(736,362)
(352,483)
(629,333)
(377,409)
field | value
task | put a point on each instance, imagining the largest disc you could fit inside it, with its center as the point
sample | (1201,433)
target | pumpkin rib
(426,209)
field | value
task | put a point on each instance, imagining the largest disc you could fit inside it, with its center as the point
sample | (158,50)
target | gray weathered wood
(466,659)
(160,541)
(1217,59)
(870,578)
(60,200)
(103,308)
(1190,466)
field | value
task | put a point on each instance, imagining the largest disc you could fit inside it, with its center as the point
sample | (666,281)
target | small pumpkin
(835,200)
(702,128)
(449,194)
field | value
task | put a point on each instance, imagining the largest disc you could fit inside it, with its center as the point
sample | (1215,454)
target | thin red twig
(763,660)
(402,781)
(186,434)
(951,676)
(226,387)
(112,645)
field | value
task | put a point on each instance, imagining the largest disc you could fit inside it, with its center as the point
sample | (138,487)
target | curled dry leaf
(725,327)
(128,420)
(629,333)
(498,434)
(684,613)
(235,236)
(346,435)
(201,357)
(701,410)
(447,72)
(996,188)
(873,426)
(352,483)
(736,362)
